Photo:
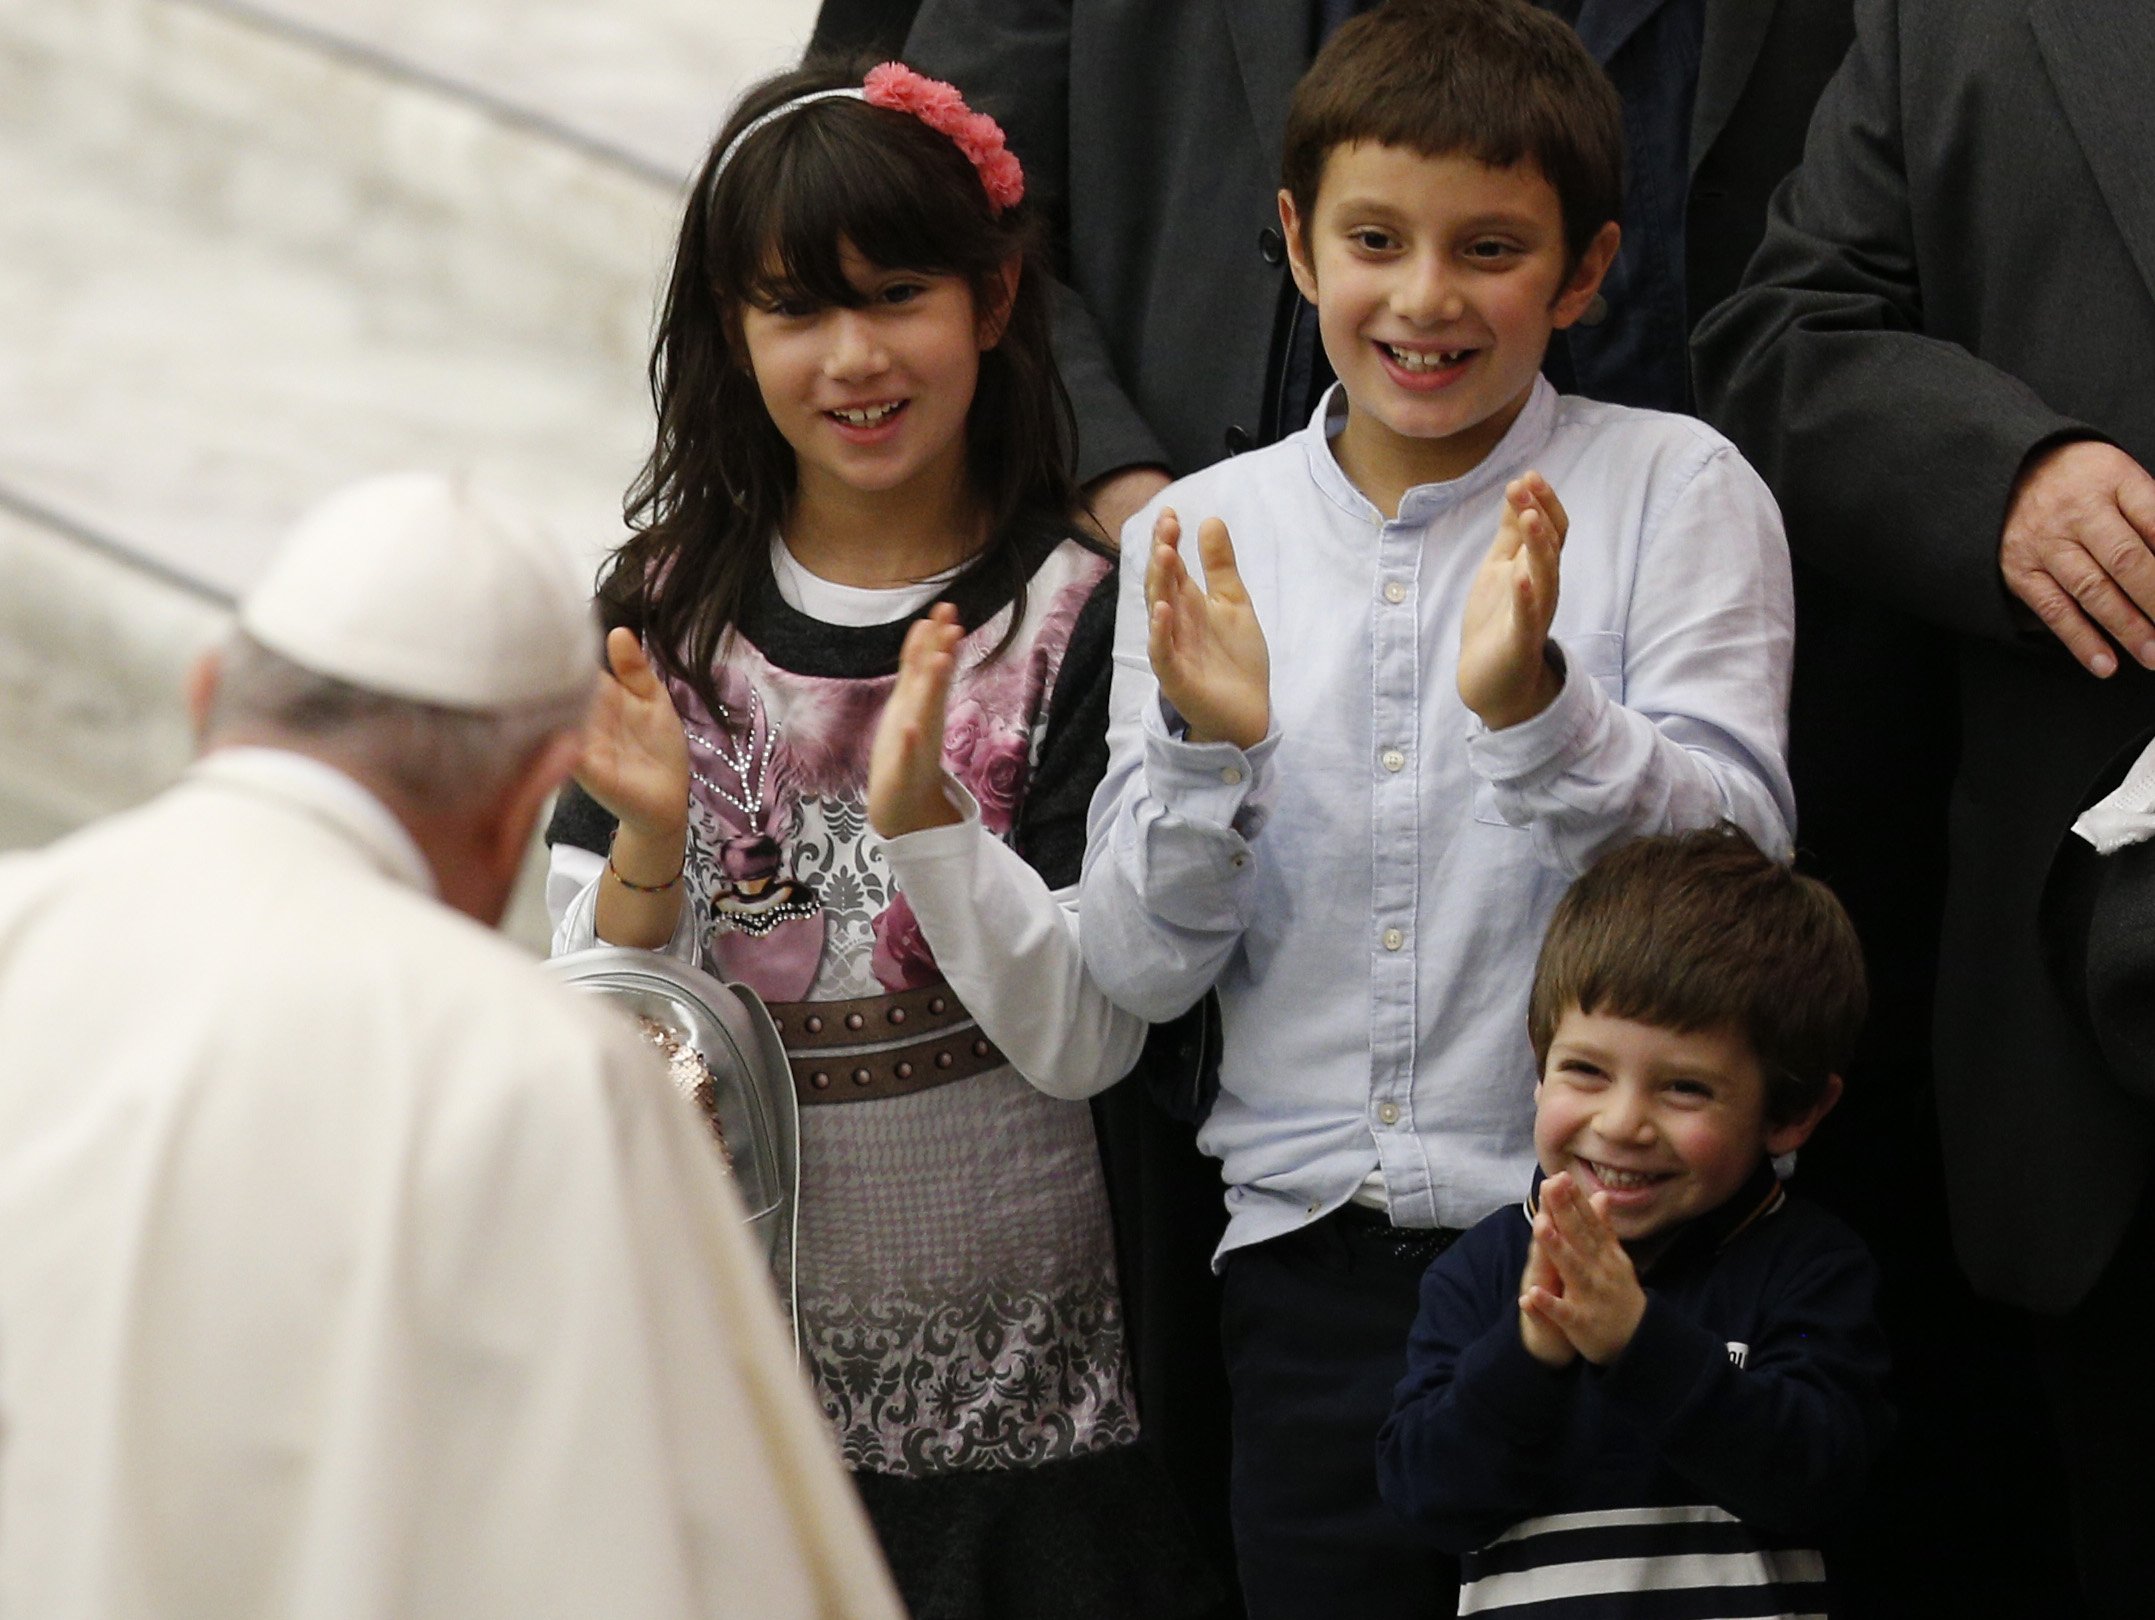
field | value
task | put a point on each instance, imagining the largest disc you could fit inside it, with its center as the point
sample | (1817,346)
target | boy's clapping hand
(1505,675)
(1206,646)
(1544,1340)
(1597,1301)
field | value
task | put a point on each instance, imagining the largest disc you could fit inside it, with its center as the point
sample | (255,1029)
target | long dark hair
(768,230)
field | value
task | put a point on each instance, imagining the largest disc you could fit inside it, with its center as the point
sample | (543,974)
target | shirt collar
(1512,455)
(327,795)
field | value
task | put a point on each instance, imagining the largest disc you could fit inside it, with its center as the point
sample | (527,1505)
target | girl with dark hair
(852,540)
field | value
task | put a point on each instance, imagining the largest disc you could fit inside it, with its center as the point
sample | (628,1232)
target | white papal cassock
(350,1271)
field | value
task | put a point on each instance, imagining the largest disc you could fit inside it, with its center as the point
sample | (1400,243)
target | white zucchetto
(416,586)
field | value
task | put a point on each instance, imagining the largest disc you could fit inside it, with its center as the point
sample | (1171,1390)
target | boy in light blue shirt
(1358,747)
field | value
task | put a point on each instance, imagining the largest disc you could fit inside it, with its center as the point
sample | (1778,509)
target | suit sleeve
(1011,58)
(1893,452)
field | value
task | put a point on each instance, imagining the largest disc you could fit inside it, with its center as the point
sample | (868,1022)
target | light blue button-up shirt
(1368,886)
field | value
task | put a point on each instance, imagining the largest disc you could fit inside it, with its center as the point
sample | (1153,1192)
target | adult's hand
(2079,548)
(1114,498)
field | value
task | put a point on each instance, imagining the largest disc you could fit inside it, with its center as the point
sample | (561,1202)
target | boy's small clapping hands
(1206,646)
(1505,675)
(1580,1294)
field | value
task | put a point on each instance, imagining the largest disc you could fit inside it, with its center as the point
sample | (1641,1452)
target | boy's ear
(1002,296)
(1298,261)
(1586,276)
(1788,1137)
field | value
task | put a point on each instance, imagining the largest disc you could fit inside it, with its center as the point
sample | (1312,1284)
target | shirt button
(1394,759)
(1394,592)
(1238,860)
(1389,1113)
(1231,775)
(1393,939)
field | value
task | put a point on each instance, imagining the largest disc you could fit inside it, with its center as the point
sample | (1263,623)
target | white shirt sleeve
(1008,945)
(1689,728)
(573,874)
(1169,883)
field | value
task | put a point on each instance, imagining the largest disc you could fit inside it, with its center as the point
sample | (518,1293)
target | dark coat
(1154,127)
(1963,271)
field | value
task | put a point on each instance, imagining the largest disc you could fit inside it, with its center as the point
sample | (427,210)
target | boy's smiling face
(1437,282)
(1669,1123)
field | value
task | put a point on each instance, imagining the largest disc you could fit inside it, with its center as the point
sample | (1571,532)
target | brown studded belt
(881,1046)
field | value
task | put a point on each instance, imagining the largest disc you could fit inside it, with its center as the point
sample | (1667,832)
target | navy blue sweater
(1752,1391)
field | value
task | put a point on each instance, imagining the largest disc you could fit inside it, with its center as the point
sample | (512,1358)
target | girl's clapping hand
(635,757)
(907,790)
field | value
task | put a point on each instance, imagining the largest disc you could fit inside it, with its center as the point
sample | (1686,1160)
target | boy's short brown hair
(1702,931)
(1498,80)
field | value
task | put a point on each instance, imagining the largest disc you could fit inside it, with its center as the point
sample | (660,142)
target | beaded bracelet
(646,888)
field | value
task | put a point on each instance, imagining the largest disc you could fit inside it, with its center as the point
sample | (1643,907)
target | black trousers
(1314,1326)
(2103,1400)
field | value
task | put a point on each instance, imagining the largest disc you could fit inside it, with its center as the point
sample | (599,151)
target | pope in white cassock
(349,1270)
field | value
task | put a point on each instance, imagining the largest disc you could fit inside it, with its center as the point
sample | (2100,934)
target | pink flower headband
(898,88)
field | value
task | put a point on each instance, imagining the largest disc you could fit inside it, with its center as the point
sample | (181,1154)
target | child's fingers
(1544,496)
(1510,535)
(1554,1309)
(1566,1219)
(1166,537)
(625,658)
(1217,552)
(1160,639)
(1539,552)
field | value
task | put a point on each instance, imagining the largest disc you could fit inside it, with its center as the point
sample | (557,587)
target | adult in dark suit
(1940,361)
(1155,127)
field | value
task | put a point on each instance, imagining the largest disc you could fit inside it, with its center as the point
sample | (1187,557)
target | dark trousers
(2097,1379)
(1315,1326)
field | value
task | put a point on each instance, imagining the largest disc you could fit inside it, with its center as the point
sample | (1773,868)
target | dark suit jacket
(1963,270)
(1154,128)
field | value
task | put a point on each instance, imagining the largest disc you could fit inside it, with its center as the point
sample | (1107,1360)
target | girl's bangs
(788,207)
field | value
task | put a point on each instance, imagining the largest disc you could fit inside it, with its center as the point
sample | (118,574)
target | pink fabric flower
(989,758)
(938,105)
(901,959)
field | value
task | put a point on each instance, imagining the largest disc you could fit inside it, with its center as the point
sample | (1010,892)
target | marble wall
(255,248)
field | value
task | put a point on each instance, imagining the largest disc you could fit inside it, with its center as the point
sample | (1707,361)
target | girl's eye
(1370,239)
(1691,1091)
(901,292)
(1490,251)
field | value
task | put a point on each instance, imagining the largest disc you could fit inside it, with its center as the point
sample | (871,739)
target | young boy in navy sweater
(1646,1391)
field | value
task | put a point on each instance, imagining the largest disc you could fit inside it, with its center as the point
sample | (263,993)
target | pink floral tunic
(956,1272)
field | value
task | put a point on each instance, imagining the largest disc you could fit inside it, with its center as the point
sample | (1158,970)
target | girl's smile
(872,397)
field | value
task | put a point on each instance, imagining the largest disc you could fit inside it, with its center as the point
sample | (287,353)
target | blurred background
(252,249)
